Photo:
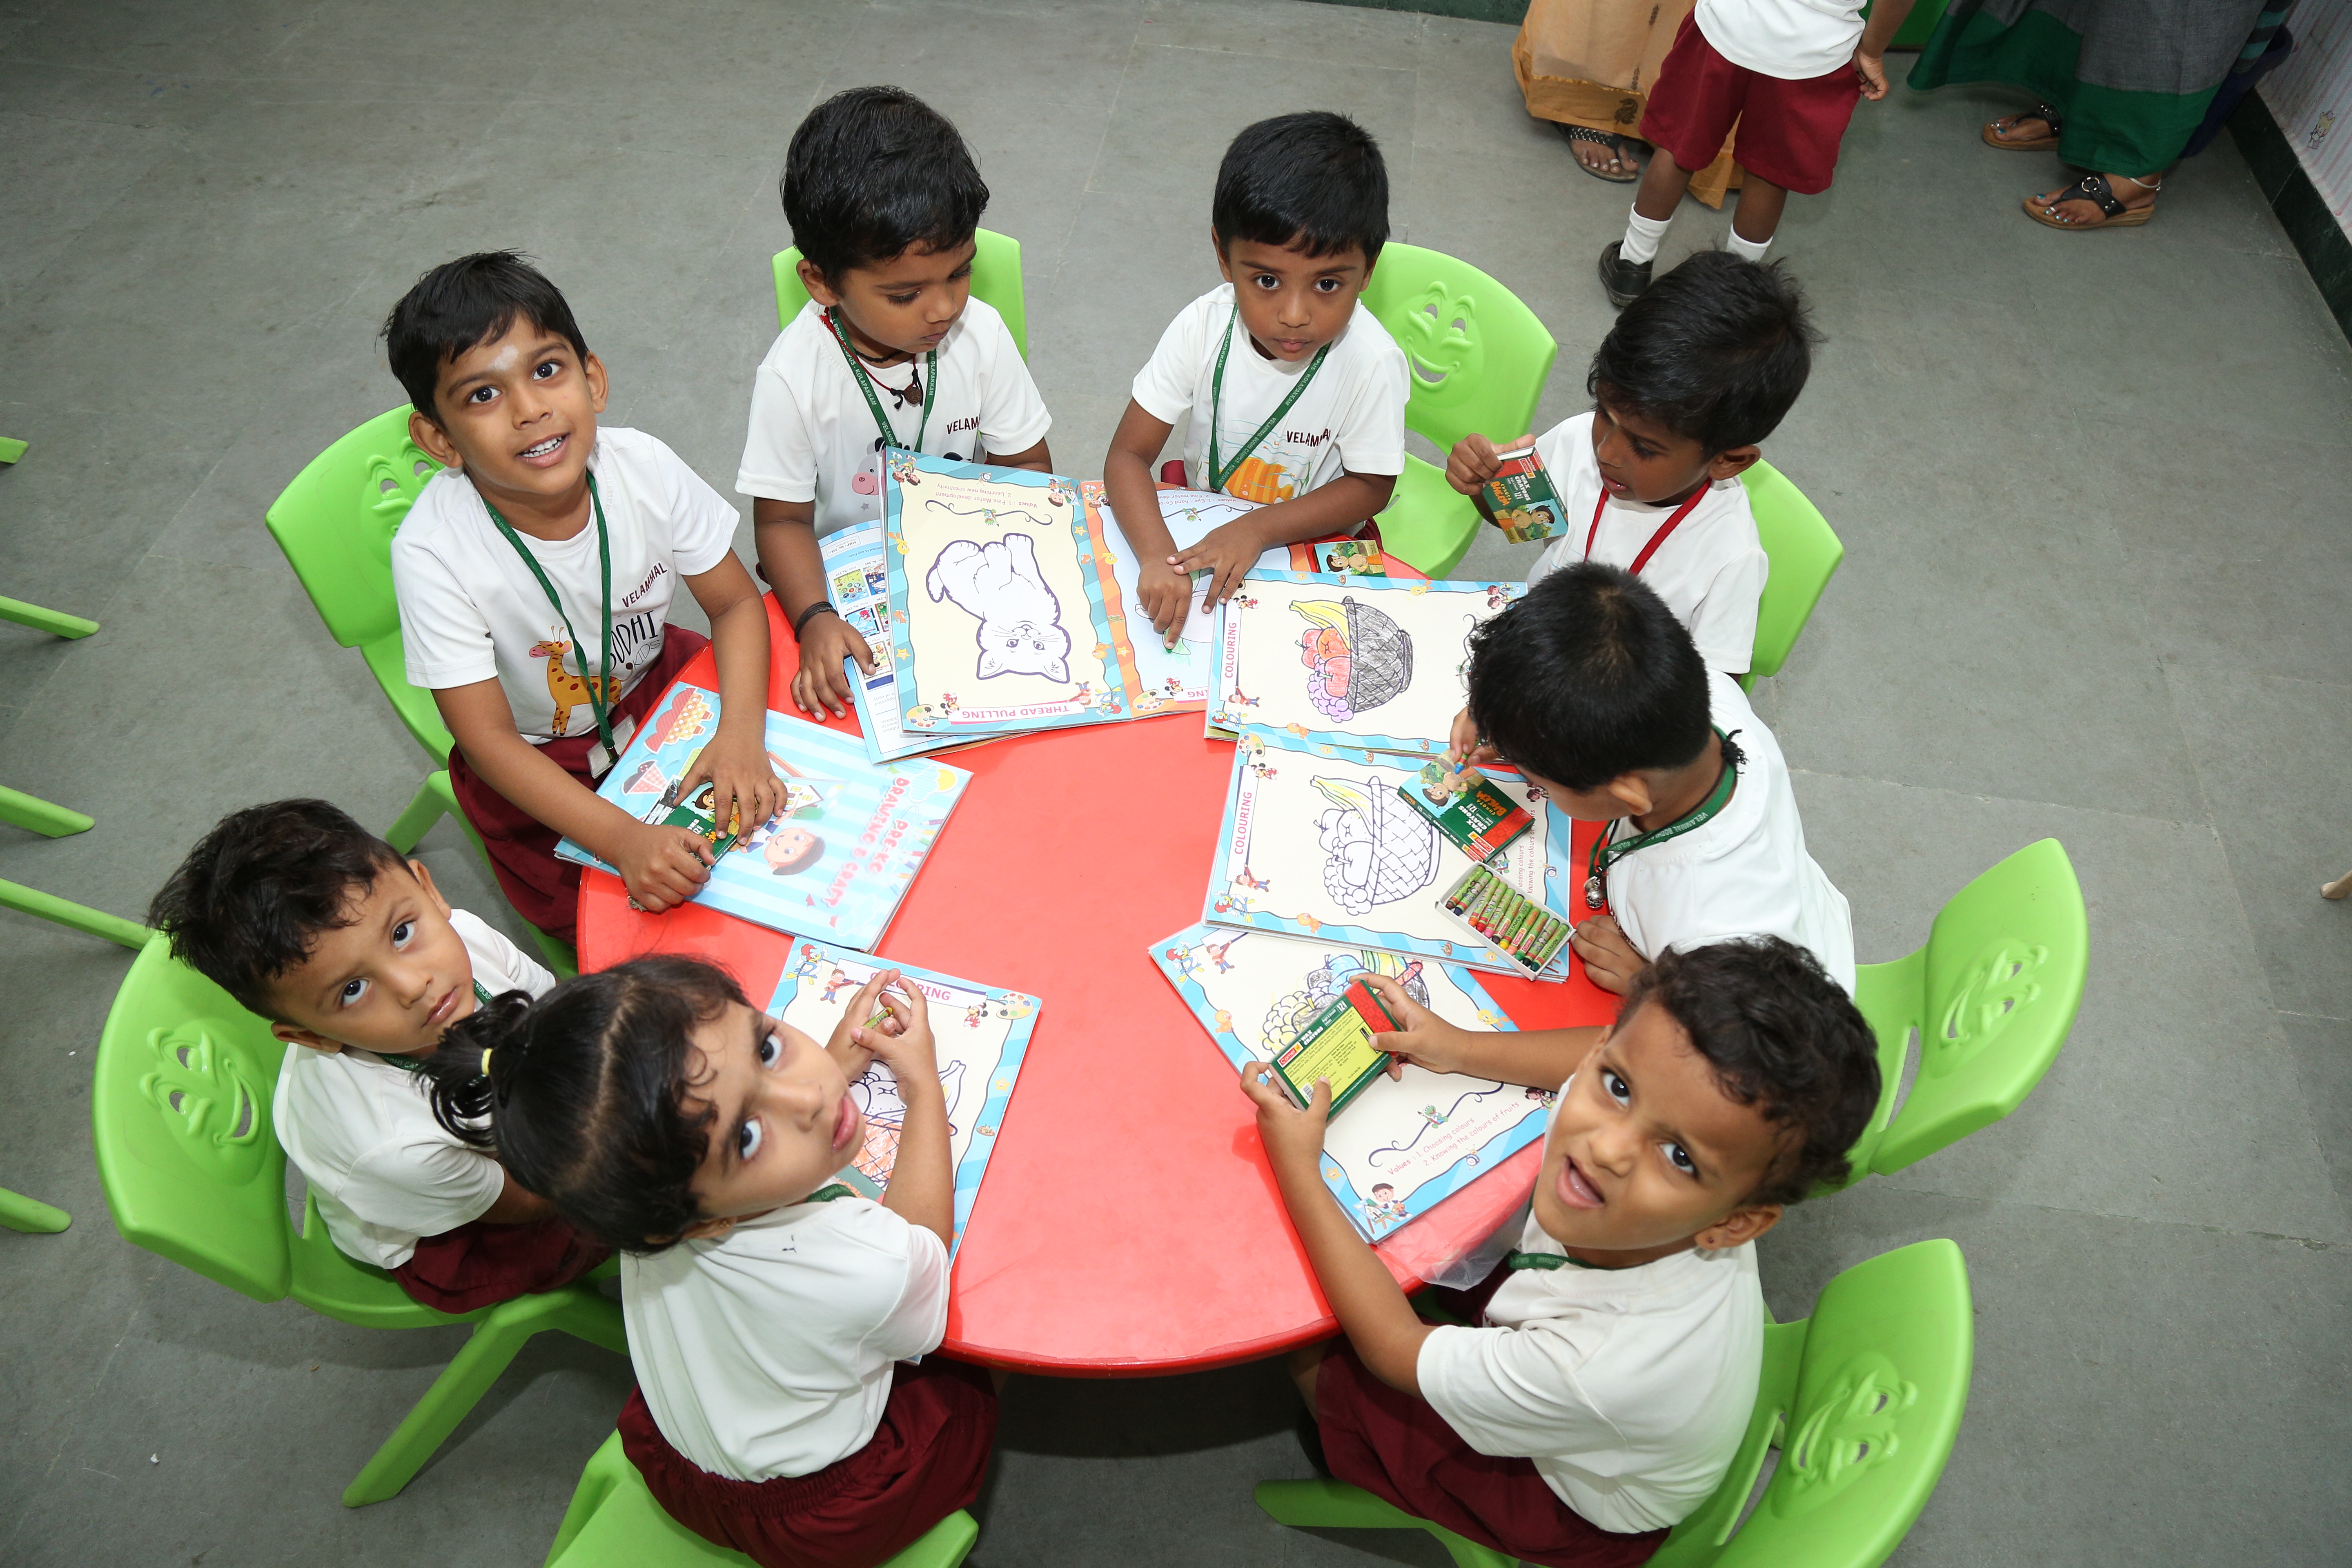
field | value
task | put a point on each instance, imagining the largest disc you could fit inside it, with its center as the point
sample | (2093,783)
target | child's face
(782,1119)
(904,305)
(390,982)
(1291,302)
(518,413)
(1642,460)
(1647,1154)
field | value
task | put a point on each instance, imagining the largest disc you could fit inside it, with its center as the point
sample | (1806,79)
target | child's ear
(1217,244)
(597,384)
(427,432)
(1633,792)
(813,281)
(1741,1225)
(704,1229)
(424,875)
(1732,461)
(294,1034)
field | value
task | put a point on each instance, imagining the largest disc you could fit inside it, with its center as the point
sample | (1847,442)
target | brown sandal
(2040,112)
(2094,189)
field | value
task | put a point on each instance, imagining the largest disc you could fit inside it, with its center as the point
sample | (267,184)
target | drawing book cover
(998,623)
(858,583)
(1406,1142)
(982,1034)
(1352,661)
(1317,842)
(1166,680)
(839,857)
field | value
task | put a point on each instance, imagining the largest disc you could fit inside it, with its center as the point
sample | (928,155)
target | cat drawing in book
(998,585)
(877,1097)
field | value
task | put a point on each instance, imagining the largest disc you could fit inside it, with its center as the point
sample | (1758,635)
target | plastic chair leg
(947,1544)
(19,1212)
(431,802)
(50,821)
(1324,1504)
(56,622)
(79,917)
(597,1483)
(10,450)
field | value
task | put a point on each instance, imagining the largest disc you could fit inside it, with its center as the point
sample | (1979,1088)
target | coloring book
(839,857)
(1354,661)
(859,586)
(1317,843)
(982,1034)
(1167,680)
(1404,1144)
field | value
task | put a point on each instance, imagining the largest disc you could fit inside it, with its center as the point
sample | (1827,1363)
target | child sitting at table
(891,350)
(1692,376)
(1600,1396)
(1296,394)
(316,924)
(535,574)
(1595,692)
(767,1310)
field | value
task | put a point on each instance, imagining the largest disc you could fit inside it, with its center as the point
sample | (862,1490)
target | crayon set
(1335,1045)
(1507,919)
(1468,808)
(1521,498)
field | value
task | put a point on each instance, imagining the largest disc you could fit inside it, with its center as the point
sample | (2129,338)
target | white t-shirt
(1710,570)
(1745,873)
(813,436)
(470,608)
(1351,418)
(1792,40)
(1630,1388)
(766,1351)
(363,1133)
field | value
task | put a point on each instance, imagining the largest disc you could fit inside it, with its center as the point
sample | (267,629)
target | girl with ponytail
(767,1309)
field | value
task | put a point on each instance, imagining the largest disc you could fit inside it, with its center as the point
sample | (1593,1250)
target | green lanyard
(1219,472)
(1605,854)
(604,557)
(410,1064)
(826,1194)
(1516,1261)
(926,395)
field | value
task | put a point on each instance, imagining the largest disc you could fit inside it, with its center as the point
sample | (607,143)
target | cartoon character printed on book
(1376,848)
(1383,1210)
(998,585)
(876,1095)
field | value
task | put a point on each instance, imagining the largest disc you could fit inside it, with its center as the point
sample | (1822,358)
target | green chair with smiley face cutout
(995,279)
(179,1119)
(1477,359)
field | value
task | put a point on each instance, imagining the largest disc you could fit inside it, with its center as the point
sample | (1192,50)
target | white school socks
(1749,250)
(1643,237)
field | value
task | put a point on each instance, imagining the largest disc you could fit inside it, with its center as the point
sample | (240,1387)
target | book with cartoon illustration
(1167,680)
(835,861)
(1317,842)
(982,1034)
(859,587)
(1406,1144)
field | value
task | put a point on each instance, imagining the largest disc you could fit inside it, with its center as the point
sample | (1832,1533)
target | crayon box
(1522,500)
(1470,810)
(1336,1045)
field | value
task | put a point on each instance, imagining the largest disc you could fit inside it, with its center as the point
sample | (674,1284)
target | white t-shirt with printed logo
(766,1351)
(1630,1388)
(1351,418)
(471,609)
(813,436)
(1794,40)
(1710,570)
(361,1132)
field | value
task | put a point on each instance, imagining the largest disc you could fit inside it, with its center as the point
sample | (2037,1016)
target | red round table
(1129,1223)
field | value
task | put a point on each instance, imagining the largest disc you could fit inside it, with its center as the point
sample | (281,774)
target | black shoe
(1310,1443)
(1625,281)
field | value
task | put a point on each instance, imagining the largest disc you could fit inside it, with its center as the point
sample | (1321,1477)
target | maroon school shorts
(480,1265)
(545,890)
(1397,1448)
(1788,130)
(925,1461)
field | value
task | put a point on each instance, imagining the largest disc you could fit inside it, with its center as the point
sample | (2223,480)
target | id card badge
(600,760)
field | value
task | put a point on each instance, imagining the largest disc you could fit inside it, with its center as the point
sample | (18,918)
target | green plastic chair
(1990,998)
(1863,1399)
(995,278)
(1805,554)
(615,1522)
(1477,360)
(19,1212)
(180,1119)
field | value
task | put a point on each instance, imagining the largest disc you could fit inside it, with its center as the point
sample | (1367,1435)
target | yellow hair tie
(484,1069)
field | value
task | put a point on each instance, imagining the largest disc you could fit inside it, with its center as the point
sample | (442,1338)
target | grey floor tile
(89,167)
(1282,29)
(2322,1048)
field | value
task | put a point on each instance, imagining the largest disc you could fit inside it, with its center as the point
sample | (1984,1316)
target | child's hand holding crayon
(1290,1134)
(1465,747)
(868,1015)
(1167,595)
(1475,460)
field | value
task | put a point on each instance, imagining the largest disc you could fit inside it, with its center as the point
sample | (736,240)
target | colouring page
(859,586)
(1317,843)
(1166,680)
(1353,660)
(839,857)
(1402,1144)
(983,1036)
(996,601)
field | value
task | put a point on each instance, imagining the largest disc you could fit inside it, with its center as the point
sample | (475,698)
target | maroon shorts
(545,890)
(1398,1448)
(480,1265)
(925,1461)
(1788,130)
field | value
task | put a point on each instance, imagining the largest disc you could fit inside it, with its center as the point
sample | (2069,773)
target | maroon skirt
(545,890)
(480,1265)
(1398,1448)
(925,1461)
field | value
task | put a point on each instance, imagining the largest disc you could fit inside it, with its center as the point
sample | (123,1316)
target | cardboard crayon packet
(1466,806)
(1336,1047)
(1532,938)
(1521,497)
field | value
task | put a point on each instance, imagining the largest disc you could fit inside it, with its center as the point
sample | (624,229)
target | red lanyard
(1656,539)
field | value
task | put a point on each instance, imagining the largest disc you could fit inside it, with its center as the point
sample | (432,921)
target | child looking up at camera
(1296,394)
(535,575)
(767,1310)
(891,350)
(1601,1394)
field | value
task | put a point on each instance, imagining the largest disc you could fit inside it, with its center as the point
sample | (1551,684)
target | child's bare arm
(1037,459)
(1372,1312)
(922,1183)
(735,760)
(785,532)
(1135,501)
(1535,1058)
(1340,507)
(1869,58)
(662,865)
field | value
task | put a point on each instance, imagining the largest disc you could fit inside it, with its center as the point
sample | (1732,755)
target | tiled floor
(2092,488)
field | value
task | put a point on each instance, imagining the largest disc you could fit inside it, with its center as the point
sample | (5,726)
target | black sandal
(2094,189)
(2040,112)
(1609,139)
